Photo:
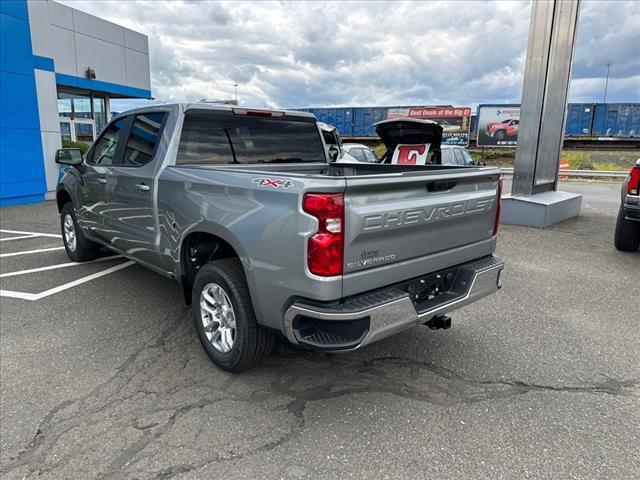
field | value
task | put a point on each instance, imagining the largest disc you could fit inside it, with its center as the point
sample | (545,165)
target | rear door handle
(142,187)
(102,180)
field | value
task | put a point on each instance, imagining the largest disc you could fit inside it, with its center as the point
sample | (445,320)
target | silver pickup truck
(267,237)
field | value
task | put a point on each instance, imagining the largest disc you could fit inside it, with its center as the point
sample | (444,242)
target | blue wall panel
(18,101)
(22,175)
(15,8)
(15,48)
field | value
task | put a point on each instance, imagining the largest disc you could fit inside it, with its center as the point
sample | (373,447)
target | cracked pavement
(108,380)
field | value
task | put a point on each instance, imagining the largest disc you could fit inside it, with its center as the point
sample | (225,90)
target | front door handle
(142,187)
(102,180)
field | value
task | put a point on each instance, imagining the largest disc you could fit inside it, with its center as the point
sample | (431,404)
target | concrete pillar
(534,198)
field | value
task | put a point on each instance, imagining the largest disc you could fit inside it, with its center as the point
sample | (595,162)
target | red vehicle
(502,130)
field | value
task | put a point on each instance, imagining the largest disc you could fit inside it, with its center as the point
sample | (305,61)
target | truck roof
(184,106)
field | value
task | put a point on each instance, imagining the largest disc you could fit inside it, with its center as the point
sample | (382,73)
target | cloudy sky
(299,54)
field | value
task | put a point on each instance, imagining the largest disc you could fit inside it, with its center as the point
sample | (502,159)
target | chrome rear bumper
(392,310)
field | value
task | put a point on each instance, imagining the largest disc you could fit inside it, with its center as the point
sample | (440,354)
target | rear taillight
(496,222)
(325,248)
(633,187)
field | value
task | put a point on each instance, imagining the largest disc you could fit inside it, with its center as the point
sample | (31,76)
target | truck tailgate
(403,226)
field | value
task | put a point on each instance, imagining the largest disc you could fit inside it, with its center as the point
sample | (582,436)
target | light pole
(235,85)
(608,66)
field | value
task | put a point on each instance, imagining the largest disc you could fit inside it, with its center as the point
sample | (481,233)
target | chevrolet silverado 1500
(268,237)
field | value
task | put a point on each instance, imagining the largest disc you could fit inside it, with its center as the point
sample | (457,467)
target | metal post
(608,66)
(235,85)
(542,117)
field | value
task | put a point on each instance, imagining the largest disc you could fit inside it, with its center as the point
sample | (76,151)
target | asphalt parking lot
(103,376)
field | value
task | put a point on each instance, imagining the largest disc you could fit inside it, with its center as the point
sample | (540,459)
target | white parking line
(51,291)
(60,265)
(18,238)
(28,252)
(54,235)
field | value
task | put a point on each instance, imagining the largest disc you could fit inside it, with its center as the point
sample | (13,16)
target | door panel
(92,196)
(131,217)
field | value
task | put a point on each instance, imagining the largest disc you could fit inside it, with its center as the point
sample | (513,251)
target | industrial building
(60,69)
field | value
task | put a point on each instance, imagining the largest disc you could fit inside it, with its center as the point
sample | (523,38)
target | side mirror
(333,153)
(69,156)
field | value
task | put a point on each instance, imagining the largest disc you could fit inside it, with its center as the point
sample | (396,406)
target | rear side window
(369,156)
(143,139)
(447,156)
(222,138)
(105,148)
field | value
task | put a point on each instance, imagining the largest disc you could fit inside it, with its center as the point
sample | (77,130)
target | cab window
(105,149)
(143,139)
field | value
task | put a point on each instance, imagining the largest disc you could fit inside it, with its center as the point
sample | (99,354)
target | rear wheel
(627,236)
(224,317)
(78,248)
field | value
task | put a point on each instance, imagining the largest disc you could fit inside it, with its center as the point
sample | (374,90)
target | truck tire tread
(627,235)
(254,344)
(86,250)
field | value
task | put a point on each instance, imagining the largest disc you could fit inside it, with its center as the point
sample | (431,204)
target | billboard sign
(498,125)
(455,121)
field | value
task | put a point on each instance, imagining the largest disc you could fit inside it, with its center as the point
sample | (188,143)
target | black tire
(627,236)
(252,344)
(84,249)
(501,135)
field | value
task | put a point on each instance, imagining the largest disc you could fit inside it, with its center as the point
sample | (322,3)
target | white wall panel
(39,26)
(47,101)
(105,58)
(50,143)
(137,69)
(98,28)
(64,50)
(136,41)
(60,15)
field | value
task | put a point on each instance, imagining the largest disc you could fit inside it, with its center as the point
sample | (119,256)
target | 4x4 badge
(273,182)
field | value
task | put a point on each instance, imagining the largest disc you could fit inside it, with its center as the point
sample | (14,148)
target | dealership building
(60,68)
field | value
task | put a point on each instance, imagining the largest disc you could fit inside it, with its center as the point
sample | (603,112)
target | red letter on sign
(410,154)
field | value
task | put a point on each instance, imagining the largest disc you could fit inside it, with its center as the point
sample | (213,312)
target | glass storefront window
(64,106)
(82,107)
(99,113)
(83,112)
(65,131)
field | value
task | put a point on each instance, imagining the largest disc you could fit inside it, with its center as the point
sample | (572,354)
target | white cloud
(295,54)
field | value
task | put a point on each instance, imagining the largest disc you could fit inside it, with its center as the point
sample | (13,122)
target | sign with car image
(498,125)
(455,121)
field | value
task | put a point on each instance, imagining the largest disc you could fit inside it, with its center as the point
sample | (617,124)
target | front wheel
(224,317)
(78,248)
(627,236)
(501,135)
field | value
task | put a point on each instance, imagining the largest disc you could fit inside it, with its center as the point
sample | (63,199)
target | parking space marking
(66,286)
(60,265)
(28,252)
(18,238)
(37,234)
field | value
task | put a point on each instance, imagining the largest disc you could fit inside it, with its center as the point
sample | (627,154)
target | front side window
(468,159)
(105,148)
(143,139)
(223,138)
